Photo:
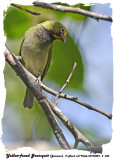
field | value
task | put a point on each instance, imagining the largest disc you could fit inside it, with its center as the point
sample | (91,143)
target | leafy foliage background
(32,124)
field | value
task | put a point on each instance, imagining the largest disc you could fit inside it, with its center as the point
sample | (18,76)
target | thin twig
(77,135)
(67,81)
(73,10)
(26,10)
(76,144)
(30,82)
(75,99)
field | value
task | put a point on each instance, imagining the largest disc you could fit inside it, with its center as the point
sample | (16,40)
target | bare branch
(48,107)
(26,10)
(72,10)
(75,99)
(30,82)
(67,81)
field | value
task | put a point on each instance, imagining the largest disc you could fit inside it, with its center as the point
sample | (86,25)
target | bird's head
(56,29)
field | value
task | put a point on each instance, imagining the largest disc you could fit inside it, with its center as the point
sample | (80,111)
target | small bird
(36,51)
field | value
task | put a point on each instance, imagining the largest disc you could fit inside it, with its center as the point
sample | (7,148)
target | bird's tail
(29,99)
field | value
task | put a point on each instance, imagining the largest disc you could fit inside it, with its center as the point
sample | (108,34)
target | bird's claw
(38,80)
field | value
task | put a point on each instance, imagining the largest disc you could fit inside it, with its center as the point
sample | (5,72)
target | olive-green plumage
(36,50)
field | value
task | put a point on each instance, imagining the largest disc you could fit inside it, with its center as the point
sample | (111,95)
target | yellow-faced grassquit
(36,50)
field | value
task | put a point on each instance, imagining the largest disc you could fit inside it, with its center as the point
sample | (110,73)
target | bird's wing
(20,52)
(47,64)
(21,47)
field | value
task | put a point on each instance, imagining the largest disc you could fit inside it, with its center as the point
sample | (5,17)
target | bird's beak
(63,38)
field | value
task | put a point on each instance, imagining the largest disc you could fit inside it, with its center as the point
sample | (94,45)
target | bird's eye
(62,30)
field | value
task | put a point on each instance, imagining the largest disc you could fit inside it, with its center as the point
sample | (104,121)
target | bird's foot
(38,80)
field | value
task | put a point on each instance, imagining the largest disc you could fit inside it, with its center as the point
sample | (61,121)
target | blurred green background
(23,125)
